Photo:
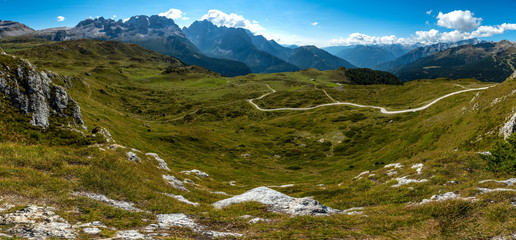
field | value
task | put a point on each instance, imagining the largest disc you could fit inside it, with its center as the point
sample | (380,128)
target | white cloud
(363,39)
(114,16)
(220,18)
(459,20)
(173,14)
(60,18)
(429,12)
(315,23)
(488,31)
(464,24)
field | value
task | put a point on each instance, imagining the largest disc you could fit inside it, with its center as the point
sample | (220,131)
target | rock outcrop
(33,92)
(279,202)
(509,127)
(36,222)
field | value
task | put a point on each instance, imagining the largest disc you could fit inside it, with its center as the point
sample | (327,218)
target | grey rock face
(12,29)
(33,92)
(279,202)
(36,222)
(509,127)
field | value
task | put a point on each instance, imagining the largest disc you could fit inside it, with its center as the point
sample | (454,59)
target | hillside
(190,145)
(489,62)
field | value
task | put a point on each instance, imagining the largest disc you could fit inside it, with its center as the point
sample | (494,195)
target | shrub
(503,156)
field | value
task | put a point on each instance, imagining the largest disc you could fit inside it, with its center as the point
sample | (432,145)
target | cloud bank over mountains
(220,18)
(464,24)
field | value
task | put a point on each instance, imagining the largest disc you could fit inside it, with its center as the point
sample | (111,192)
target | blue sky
(318,22)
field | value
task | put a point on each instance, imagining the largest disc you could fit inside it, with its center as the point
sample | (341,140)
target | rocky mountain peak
(34,93)
(11,29)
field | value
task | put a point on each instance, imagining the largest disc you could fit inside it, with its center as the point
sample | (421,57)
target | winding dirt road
(382,110)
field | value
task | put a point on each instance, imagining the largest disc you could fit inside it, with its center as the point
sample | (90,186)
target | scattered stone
(246,155)
(136,150)
(190,181)
(115,146)
(282,186)
(392,172)
(107,135)
(118,204)
(393,165)
(132,157)
(418,167)
(162,163)
(359,176)
(509,182)
(220,193)
(35,222)
(92,230)
(3,235)
(353,211)
(166,221)
(5,207)
(175,183)
(257,220)
(487,153)
(446,196)
(129,235)
(487,190)
(90,224)
(197,172)
(182,199)
(404,181)
(279,202)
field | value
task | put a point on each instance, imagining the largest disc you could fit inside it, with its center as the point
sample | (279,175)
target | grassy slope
(143,107)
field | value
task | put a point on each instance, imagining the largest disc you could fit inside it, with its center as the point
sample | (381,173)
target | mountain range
(420,52)
(369,56)
(229,51)
(486,61)
(260,54)
(156,33)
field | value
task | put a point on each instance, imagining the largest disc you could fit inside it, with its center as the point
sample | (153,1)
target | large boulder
(279,202)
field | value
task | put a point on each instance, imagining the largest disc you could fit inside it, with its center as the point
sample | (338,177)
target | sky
(301,22)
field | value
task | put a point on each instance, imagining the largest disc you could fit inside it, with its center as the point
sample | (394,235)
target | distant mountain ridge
(13,29)
(236,44)
(156,33)
(420,52)
(260,54)
(486,61)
